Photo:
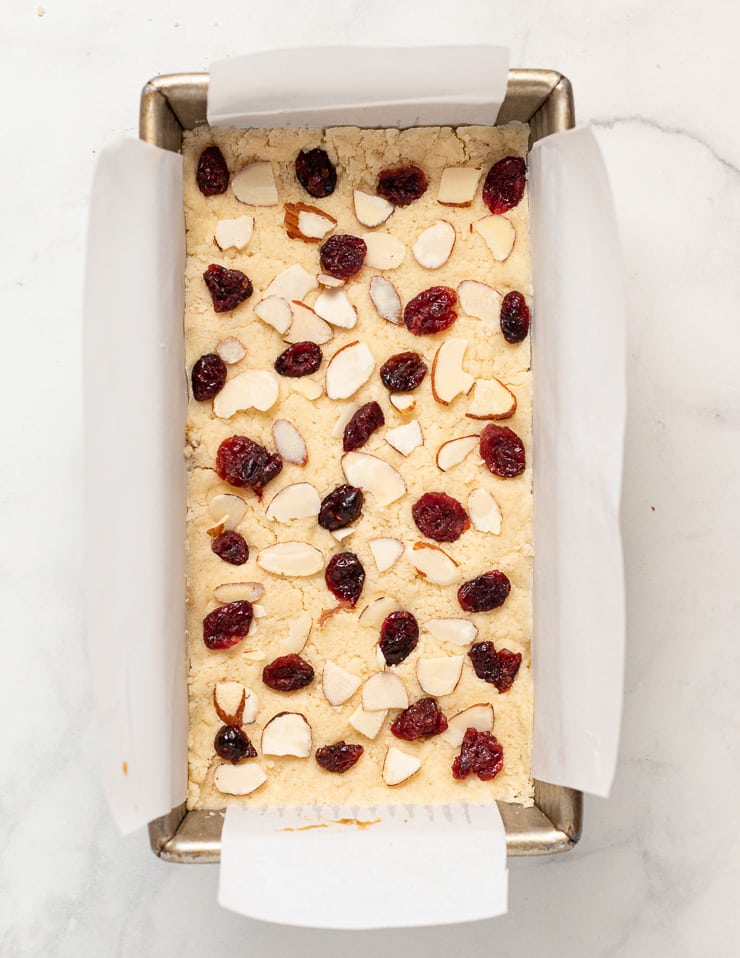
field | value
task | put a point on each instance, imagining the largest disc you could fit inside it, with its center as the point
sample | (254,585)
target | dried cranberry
(213,173)
(231,547)
(300,359)
(440,517)
(341,507)
(420,720)
(362,425)
(402,184)
(499,668)
(343,255)
(485,592)
(287,673)
(345,577)
(480,752)
(504,184)
(227,625)
(231,743)
(208,376)
(514,317)
(502,451)
(228,287)
(339,757)
(316,172)
(242,462)
(431,311)
(399,636)
(403,372)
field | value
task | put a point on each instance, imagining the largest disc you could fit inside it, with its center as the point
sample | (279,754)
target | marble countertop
(656,873)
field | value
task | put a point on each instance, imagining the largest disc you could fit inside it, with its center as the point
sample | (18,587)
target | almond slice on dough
(291,559)
(499,234)
(255,184)
(252,389)
(307,223)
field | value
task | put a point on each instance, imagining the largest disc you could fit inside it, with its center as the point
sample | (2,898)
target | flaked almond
(341,534)
(479,300)
(299,629)
(439,676)
(479,717)
(289,442)
(276,312)
(371,210)
(238,591)
(330,282)
(384,690)
(374,613)
(449,379)
(338,684)
(348,370)
(454,451)
(297,501)
(367,723)
(252,389)
(255,184)
(308,388)
(433,563)
(385,299)
(228,700)
(230,350)
(234,234)
(403,402)
(307,326)
(399,766)
(217,529)
(484,512)
(373,475)
(291,559)
(386,552)
(434,245)
(239,779)
(334,306)
(348,411)
(490,399)
(384,251)
(499,234)
(458,631)
(457,185)
(287,733)
(406,438)
(291,284)
(228,509)
(307,223)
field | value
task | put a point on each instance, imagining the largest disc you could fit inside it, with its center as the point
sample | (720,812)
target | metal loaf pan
(544,99)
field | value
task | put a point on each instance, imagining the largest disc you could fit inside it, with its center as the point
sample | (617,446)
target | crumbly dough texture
(359,155)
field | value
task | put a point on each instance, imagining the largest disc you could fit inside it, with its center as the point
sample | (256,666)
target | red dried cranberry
(431,311)
(402,184)
(339,757)
(399,636)
(341,507)
(403,372)
(287,673)
(502,451)
(485,592)
(300,359)
(504,184)
(345,577)
(231,547)
(227,625)
(420,720)
(362,425)
(228,287)
(514,317)
(343,255)
(316,172)
(208,376)
(213,173)
(231,743)
(440,517)
(480,752)
(499,668)
(242,462)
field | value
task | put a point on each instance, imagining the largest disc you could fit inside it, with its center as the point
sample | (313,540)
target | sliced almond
(373,475)
(228,700)
(371,210)
(433,563)
(439,676)
(291,284)
(217,528)
(375,612)
(449,379)
(287,733)
(239,779)
(454,451)
(458,631)
(259,611)
(255,184)
(345,415)
(479,300)
(252,389)
(384,251)
(341,534)
(251,707)
(479,717)
(307,223)
(484,512)
(499,234)
(230,350)
(406,438)
(234,233)
(490,399)
(289,442)
(299,628)
(348,370)
(457,185)
(331,282)
(434,245)
(384,690)
(228,509)
(386,551)
(334,306)
(403,402)
(291,559)
(308,388)
(385,299)
(307,326)
(338,684)
(297,501)
(276,312)
(367,723)
(238,592)
(399,766)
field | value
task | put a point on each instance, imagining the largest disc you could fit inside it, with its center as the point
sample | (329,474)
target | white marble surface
(657,871)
